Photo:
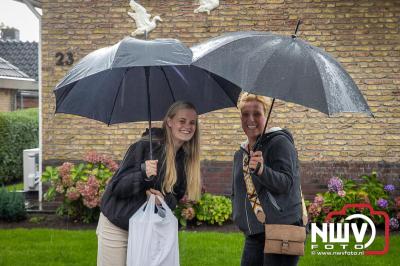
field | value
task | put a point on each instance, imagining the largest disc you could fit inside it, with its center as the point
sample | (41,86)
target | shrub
(185,211)
(343,191)
(81,186)
(12,206)
(19,130)
(213,209)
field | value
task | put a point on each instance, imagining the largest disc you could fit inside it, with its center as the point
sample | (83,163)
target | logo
(335,237)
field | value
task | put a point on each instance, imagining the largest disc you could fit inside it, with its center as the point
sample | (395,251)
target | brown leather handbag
(286,239)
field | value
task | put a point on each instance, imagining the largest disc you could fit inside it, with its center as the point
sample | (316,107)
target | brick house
(363,35)
(19,78)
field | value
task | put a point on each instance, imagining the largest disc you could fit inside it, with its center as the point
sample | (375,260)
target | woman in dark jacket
(174,172)
(275,180)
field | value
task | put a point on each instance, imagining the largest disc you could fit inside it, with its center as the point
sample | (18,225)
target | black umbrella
(281,67)
(137,80)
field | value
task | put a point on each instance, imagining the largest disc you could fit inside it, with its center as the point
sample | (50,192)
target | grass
(63,247)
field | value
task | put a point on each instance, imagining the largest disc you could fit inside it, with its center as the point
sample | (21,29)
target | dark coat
(278,187)
(126,191)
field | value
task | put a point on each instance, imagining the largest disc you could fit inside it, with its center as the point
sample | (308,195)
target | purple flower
(389,188)
(382,203)
(335,184)
(394,224)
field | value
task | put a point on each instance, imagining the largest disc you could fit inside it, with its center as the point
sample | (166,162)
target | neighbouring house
(363,35)
(18,72)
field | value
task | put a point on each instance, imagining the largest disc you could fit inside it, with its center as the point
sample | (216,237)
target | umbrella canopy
(137,80)
(281,67)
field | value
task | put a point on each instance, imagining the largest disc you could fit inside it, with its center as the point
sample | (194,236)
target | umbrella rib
(169,84)
(222,87)
(116,96)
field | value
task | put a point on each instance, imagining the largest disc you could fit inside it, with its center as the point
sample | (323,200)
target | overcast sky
(18,15)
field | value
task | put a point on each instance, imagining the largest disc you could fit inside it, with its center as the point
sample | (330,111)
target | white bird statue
(207,6)
(142,19)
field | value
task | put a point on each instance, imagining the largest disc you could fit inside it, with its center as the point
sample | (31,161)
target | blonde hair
(248,97)
(192,158)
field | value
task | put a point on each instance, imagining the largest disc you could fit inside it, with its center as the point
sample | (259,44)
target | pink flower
(188,213)
(319,200)
(91,202)
(110,164)
(94,158)
(397,202)
(89,191)
(67,181)
(72,193)
(60,188)
(314,210)
(342,193)
(65,169)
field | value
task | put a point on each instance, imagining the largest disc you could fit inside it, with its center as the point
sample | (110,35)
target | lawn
(70,247)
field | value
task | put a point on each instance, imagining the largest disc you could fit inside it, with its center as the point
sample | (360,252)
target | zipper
(273,201)
(247,217)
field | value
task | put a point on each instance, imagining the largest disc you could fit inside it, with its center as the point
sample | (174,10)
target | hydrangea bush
(343,191)
(210,209)
(80,186)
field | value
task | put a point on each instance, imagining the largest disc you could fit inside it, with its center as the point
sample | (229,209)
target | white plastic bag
(153,237)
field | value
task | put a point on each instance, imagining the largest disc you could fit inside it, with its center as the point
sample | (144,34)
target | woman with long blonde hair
(174,172)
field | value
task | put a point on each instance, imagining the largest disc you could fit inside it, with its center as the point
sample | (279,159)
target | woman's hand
(151,167)
(155,192)
(256,158)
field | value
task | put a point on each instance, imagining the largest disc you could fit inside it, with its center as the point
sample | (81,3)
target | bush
(81,186)
(213,209)
(343,191)
(19,130)
(12,206)
(210,209)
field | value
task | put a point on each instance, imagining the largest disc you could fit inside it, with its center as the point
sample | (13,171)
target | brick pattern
(6,100)
(314,175)
(363,35)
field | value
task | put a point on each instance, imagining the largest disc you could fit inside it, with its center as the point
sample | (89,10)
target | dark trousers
(253,254)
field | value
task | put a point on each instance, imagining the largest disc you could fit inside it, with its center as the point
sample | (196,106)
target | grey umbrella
(137,80)
(281,67)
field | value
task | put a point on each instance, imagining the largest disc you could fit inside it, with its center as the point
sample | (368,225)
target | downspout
(39,17)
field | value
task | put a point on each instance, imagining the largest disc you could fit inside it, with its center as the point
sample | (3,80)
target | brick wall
(6,100)
(362,35)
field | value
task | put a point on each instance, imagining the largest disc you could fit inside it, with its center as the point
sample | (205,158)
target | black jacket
(126,191)
(278,187)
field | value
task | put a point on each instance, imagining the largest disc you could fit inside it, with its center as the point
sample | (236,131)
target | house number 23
(64,59)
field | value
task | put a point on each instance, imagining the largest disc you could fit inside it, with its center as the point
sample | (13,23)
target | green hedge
(12,206)
(19,130)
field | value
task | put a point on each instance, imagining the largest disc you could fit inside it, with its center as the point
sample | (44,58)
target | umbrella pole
(269,114)
(147,74)
(257,145)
